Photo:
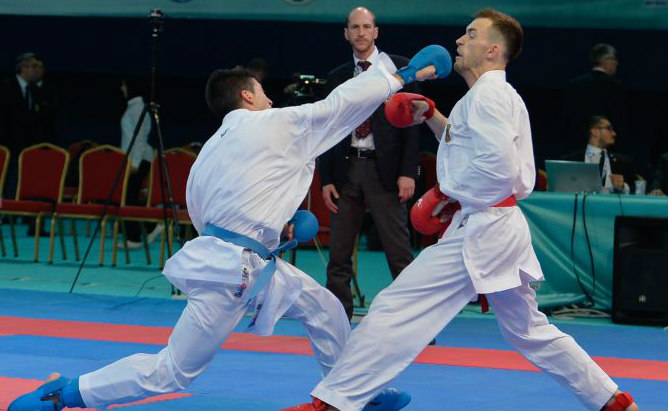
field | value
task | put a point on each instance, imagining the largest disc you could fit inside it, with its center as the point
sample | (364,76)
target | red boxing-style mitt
(433,212)
(399,109)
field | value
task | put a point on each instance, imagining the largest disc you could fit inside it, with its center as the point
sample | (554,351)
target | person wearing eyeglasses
(617,170)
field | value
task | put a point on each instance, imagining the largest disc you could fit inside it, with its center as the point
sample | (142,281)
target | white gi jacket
(253,173)
(484,156)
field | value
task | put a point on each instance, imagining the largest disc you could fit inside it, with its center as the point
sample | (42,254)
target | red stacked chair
(178,161)
(98,169)
(42,170)
(4,161)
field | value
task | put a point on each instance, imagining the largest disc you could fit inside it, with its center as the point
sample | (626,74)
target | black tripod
(156,18)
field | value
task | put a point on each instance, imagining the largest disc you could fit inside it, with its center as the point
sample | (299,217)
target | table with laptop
(573,231)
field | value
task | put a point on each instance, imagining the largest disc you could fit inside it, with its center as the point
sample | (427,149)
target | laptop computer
(572,176)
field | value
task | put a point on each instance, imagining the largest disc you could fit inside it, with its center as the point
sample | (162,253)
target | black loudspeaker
(640,271)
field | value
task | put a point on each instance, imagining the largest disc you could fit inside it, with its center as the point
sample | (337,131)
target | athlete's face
(262,102)
(473,45)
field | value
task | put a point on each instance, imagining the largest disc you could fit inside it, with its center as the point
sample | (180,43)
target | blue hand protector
(52,396)
(306,225)
(434,55)
(390,399)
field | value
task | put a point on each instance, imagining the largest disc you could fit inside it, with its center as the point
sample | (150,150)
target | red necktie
(363,129)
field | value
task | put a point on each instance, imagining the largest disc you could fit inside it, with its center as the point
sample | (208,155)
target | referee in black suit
(375,167)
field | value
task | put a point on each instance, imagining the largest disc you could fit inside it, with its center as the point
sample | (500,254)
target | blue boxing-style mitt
(434,55)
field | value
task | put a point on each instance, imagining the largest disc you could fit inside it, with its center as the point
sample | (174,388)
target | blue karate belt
(256,247)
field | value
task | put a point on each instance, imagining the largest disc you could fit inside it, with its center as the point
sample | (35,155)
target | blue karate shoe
(51,396)
(390,399)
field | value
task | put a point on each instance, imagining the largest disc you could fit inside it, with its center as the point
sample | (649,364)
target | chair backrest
(541,180)
(98,168)
(179,161)
(42,170)
(4,162)
(75,150)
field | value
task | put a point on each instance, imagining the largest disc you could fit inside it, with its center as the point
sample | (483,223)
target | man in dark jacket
(375,167)
(597,92)
(617,170)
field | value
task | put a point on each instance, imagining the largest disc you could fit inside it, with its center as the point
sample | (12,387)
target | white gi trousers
(435,287)
(212,312)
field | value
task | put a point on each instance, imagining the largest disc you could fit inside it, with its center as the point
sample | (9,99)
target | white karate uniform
(250,177)
(484,156)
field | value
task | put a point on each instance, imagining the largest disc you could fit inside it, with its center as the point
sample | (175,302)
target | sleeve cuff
(388,68)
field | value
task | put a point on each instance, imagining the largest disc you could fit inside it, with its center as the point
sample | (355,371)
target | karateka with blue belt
(247,182)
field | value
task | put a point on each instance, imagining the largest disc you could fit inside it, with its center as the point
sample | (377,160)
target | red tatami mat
(463,357)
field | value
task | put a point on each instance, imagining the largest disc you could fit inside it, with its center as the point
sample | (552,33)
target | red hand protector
(399,109)
(425,217)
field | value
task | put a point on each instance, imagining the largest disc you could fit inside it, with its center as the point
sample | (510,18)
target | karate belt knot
(256,247)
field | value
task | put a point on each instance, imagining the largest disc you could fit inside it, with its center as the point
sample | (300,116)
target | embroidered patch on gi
(244,283)
(447,133)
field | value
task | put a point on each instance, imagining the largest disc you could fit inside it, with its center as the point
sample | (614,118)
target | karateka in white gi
(484,161)
(247,182)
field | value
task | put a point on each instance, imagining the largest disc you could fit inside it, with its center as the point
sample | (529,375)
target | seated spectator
(617,170)
(659,184)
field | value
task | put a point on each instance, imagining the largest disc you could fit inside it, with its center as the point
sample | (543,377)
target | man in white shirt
(484,161)
(247,182)
(617,170)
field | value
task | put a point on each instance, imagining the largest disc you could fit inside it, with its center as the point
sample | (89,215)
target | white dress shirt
(365,143)
(593,155)
(141,150)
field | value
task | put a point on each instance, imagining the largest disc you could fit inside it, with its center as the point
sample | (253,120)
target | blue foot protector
(390,399)
(52,396)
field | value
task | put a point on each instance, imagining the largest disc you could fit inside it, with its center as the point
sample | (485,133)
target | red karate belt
(508,202)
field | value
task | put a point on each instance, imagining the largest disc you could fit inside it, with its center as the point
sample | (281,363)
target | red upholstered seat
(42,169)
(178,164)
(99,169)
(4,161)
(93,210)
(27,206)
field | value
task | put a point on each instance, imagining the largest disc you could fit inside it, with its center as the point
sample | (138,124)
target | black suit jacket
(19,127)
(593,94)
(619,164)
(397,150)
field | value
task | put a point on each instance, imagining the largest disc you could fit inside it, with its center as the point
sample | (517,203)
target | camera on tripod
(309,86)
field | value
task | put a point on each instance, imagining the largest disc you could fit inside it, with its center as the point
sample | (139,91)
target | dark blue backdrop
(86,57)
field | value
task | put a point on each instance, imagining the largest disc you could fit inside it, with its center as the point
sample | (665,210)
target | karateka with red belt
(484,162)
